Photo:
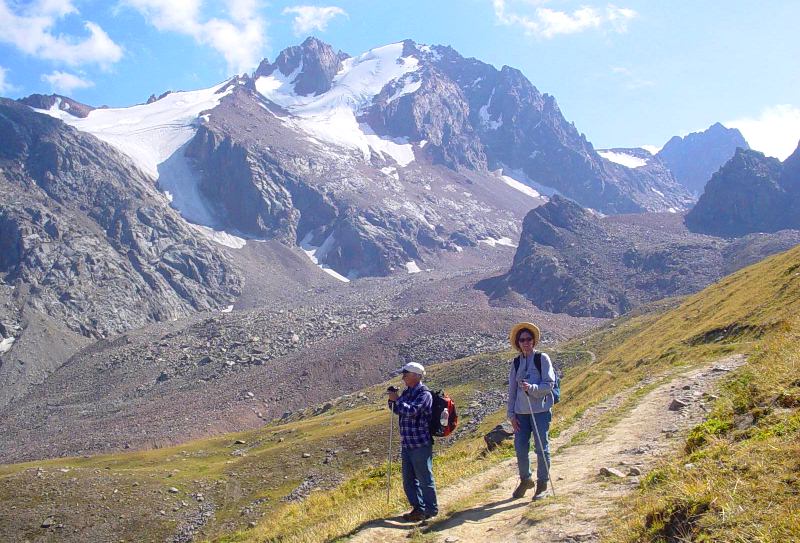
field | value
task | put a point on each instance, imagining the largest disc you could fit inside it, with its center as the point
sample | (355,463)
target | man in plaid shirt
(414,408)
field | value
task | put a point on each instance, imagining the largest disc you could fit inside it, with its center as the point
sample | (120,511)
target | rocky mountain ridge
(750,193)
(571,260)
(399,112)
(694,158)
(88,244)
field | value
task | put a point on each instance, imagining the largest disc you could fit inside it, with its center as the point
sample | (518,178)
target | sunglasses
(525,339)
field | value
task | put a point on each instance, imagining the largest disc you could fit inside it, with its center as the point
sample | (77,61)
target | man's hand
(393,393)
(514,424)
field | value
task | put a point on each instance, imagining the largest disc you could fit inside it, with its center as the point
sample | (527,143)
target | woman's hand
(525,386)
(514,423)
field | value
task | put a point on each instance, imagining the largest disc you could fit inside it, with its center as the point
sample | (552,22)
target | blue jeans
(418,478)
(522,445)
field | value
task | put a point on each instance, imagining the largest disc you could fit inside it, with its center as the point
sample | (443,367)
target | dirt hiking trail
(480,508)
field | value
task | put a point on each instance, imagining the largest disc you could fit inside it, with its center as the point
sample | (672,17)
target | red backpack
(444,417)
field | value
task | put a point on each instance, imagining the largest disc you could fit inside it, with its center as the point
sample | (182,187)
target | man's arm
(415,405)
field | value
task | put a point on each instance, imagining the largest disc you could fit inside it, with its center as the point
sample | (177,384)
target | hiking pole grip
(541,445)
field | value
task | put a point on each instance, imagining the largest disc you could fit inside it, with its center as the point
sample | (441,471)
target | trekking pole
(541,445)
(389,455)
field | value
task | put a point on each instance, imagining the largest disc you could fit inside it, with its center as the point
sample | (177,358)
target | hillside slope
(257,486)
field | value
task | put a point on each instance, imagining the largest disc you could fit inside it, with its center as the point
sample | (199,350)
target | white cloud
(631,80)
(548,23)
(240,38)
(775,132)
(309,18)
(65,83)
(5,86)
(30,30)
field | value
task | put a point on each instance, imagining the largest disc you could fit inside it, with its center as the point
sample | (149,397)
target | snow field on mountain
(332,115)
(152,135)
(148,133)
(629,161)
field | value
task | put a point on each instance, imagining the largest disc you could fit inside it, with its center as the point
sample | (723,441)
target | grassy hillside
(737,478)
(231,491)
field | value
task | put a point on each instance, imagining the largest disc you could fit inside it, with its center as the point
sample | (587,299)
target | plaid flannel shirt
(414,408)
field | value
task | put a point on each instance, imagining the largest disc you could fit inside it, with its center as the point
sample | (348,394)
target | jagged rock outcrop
(750,193)
(47,101)
(313,62)
(87,241)
(693,159)
(571,260)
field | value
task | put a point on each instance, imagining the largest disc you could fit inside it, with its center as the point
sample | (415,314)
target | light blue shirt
(541,391)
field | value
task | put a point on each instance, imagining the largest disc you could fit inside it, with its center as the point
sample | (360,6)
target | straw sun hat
(532,328)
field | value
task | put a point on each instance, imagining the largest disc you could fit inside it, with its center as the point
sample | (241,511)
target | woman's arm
(547,379)
(512,392)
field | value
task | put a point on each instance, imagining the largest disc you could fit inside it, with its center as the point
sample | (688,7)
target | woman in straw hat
(530,399)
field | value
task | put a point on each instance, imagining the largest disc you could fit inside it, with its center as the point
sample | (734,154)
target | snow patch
(522,187)
(332,115)
(220,236)
(315,254)
(412,267)
(629,161)
(228,309)
(432,53)
(391,172)
(493,242)
(657,192)
(520,176)
(486,118)
(652,149)
(410,87)
(5,345)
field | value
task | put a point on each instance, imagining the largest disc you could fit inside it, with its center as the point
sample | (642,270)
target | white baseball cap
(414,367)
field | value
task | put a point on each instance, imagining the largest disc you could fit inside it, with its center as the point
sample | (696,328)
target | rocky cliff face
(312,66)
(750,193)
(693,159)
(359,218)
(88,243)
(571,260)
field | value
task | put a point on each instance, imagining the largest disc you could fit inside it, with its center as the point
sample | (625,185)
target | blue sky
(627,74)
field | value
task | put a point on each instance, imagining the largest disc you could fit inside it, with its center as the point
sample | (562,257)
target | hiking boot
(430,515)
(523,486)
(415,515)
(541,488)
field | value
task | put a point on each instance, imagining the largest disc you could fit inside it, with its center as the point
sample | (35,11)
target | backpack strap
(516,363)
(537,360)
